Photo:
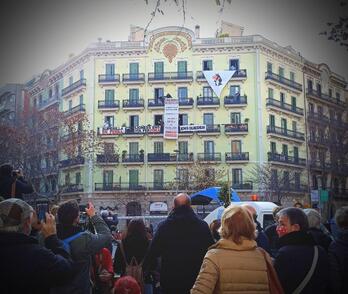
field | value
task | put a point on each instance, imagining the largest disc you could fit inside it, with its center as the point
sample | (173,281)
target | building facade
(11,102)
(119,88)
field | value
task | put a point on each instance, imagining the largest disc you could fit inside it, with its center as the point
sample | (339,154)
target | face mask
(281,231)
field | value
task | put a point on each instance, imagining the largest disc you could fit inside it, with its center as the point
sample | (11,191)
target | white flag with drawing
(217,80)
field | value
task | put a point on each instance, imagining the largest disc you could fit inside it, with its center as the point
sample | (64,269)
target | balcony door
(237,177)
(182,69)
(158,147)
(133,121)
(236,147)
(109,70)
(133,179)
(133,95)
(133,148)
(208,119)
(109,97)
(209,150)
(133,70)
(182,93)
(159,69)
(108,179)
(158,178)
(235,118)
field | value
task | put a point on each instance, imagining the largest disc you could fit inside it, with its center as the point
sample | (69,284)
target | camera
(16,173)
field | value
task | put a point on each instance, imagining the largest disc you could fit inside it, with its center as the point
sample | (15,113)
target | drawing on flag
(217,80)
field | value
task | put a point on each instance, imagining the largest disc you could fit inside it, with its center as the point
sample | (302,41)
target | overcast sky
(40,34)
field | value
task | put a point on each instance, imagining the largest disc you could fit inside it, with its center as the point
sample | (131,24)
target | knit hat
(127,285)
(13,212)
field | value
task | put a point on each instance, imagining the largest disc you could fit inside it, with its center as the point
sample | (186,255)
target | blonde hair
(236,224)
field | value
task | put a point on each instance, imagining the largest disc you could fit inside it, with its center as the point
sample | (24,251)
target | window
(134,68)
(286,180)
(134,121)
(56,90)
(109,148)
(236,146)
(158,178)
(158,147)
(133,148)
(82,74)
(284,124)
(237,177)
(270,93)
(70,104)
(292,76)
(271,120)
(234,64)
(281,71)
(71,81)
(208,119)
(269,67)
(330,92)
(319,88)
(310,85)
(183,147)
(159,69)
(109,121)
(50,93)
(320,110)
(311,107)
(209,147)
(109,70)
(183,119)
(133,95)
(78,178)
(207,92)
(182,93)
(40,100)
(235,118)
(159,93)
(35,103)
(183,175)
(274,178)
(338,96)
(285,150)
(293,103)
(234,91)
(182,66)
(207,65)
(273,147)
(109,96)
(294,126)
(158,119)
(81,99)
(108,177)
(282,98)
(67,179)
(295,153)
(133,178)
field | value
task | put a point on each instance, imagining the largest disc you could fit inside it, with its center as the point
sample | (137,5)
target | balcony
(74,88)
(135,104)
(107,159)
(186,102)
(164,77)
(243,186)
(235,101)
(134,78)
(283,81)
(296,188)
(209,157)
(321,97)
(285,133)
(73,137)
(320,165)
(236,129)
(107,187)
(233,157)
(139,131)
(133,158)
(157,103)
(110,131)
(72,188)
(71,162)
(208,102)
(318,117)
(108,105)
(240,74)
(46,103)
(286,159)
(283,107)
(161,158)
(75,110)
(319,141)
(210,130)
(109,79)
(185,157)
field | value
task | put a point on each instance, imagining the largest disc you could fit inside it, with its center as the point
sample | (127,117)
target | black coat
(181,241)
(27,267)
(338,256)
(320,238)
(294,260)
(22,187)
(271,233)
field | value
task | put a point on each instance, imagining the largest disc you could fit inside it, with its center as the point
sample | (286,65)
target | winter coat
(22,187)
(338,256)
(261,238)
(232,268)
(83,249)
(294,260)
(181,241)
(27,267)
(320,238)
(272,235)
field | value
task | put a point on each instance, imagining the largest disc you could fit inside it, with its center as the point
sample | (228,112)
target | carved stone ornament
(170,51)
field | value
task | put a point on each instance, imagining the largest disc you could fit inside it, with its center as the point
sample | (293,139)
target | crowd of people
(296,254)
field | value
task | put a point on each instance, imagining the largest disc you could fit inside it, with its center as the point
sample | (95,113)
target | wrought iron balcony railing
(318,117)
(324,97)
(161,157)
(209,156)
(77,109)
(208,101)
(107,158)
(285,132)
(236,128)
(248,185)
(157,102)
(210,129)
(72,162)
(276,157)
(108,78)
(132,158)
(284,106)
(284,81)
(167,76)
(133,78)
(73,87)
(186,101)
(239,156)
(72,188)
(235,100)
(109,104)
(130,103)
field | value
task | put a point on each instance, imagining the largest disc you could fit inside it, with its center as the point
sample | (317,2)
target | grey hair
(314,218)
(295,216)
(13,229)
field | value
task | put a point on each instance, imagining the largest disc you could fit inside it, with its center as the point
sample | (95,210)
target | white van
(264,212)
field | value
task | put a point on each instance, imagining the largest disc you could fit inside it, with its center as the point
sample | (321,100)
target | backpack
(134,269)
(66,242)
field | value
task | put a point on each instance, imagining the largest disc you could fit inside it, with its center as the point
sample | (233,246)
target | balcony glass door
(182,93)
(133,96)
(208,150)
(158,178)
(109,97)
(182,69)
(133,70)
(108,178)
(237,178)
(159,69)
(133,179)
(109,71)
(235,118)
(236,147)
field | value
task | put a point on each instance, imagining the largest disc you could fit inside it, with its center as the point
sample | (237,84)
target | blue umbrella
(208,195)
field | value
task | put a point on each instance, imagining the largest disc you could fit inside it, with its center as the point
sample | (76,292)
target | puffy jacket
(338,256)
(181,241)
(294,260)
(83,248)
(27,267)
(232,268)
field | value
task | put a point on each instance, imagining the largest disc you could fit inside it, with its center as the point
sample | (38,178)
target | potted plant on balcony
(141,152)
(124,153)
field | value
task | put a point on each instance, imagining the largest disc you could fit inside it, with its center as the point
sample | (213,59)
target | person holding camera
(83,244)
(12,183)
(26,266)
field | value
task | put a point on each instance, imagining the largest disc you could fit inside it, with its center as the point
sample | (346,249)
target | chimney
(197,27)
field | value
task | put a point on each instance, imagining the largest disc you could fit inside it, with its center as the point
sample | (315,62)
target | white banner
(193,128)
(171,118)
(217,80)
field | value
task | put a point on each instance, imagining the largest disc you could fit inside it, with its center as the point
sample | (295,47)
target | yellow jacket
(231,268)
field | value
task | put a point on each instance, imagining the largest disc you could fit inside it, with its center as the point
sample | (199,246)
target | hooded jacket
(22,187)
(83,249)
(27,267)
(338,256)
(181,241)
(232,268)
(294,260)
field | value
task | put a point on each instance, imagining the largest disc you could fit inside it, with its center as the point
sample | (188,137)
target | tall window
(272,120)
(134,121)
(234,64)
(209,147)
(284,124)
(108,177)
(182,67)
(67,179)
(133,178)
(293,102)
(269,67)
(270,93)
(311,107)
(183,175)
(208,119)
(297,179)
(320,110)
(319,88)
(70,104)
(273,147)
(286,179)
(71,80)
(294,126)
(182,93)
(81,99)
(235,118)
(237,176)
(183,147)
(159,69)
(109,70)
(282,98)
(292,76)
(236,146)
(295,153)
(109,148)
(330,92)
(158,119)
(56,90)
(158,178)
(78,178)
(158,147)
(133,148)
(134,68)
(281,71)
(207,92)
(310,85)
(285,150)
(183,119)
(82,74)
(109,96)
(234,91)
(109,121)
(158,93)
(207,65)
(133,95)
